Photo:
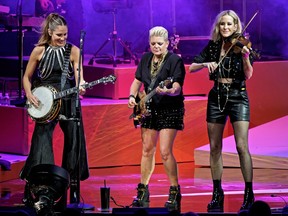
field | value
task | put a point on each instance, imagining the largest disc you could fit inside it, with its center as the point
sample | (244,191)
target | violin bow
(245,27)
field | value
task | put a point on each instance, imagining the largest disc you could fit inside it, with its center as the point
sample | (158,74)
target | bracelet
(131,96)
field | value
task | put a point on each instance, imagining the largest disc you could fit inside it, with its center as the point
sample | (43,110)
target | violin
(236,42)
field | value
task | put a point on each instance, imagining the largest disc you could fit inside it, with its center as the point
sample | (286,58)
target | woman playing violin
(229,70)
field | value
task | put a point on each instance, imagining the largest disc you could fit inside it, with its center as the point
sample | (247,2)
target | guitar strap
(65,64)
(150,88)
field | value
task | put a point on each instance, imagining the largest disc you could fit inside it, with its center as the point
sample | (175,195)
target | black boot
(217,202)
(174,200)
(142,199)
(248,199)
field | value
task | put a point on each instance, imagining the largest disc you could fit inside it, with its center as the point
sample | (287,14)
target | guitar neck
(150,95)
(153,92)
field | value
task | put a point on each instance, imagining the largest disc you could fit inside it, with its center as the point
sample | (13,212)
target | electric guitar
(142,109)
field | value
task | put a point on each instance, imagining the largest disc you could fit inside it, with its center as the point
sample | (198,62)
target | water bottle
(6,100)
(1,98)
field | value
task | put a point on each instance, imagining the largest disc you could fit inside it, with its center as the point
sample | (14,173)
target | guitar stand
(114,38)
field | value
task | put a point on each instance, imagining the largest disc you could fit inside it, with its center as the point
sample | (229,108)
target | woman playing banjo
(57,62)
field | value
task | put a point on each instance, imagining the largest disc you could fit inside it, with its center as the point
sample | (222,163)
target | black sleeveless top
(51,65)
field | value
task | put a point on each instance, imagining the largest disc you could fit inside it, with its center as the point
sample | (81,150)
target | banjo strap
(65,64)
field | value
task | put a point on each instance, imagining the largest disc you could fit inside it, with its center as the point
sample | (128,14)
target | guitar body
(141,110)
(48,108)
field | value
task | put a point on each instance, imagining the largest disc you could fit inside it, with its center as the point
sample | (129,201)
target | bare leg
(149,141)
(167,137)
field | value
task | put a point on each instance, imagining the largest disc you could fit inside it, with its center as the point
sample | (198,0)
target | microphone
(82,35)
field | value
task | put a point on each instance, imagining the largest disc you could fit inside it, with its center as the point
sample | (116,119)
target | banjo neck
(69,91)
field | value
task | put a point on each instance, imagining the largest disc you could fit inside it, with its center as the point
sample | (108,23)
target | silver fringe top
(53,56)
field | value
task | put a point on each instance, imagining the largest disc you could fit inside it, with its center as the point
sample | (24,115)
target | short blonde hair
(159,31)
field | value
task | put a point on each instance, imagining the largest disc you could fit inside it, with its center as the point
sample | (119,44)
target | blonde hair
(215,31)
(50,23)
(158,31)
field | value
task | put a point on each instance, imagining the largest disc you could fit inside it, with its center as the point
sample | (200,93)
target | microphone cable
(275,195)
(285,208)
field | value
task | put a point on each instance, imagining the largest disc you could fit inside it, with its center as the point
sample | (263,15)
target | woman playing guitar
(166,111)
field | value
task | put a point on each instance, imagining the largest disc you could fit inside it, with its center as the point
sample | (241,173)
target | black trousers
(74,151)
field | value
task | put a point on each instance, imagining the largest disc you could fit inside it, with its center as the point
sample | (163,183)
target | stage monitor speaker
(19,211)
(140,211)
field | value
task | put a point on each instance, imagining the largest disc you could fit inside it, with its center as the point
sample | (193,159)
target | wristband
(131,96)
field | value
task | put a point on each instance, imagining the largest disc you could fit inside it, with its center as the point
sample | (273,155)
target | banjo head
(46,100)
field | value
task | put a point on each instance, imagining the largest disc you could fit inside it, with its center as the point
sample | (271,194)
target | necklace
(155,65)
(225,86)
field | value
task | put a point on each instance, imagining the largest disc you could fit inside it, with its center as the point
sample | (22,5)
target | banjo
(49,99)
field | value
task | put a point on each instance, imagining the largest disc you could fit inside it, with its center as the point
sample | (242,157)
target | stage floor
(195,183)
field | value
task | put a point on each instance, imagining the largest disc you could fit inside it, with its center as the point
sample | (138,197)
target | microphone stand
(75,182)
(20,48)
(20,100)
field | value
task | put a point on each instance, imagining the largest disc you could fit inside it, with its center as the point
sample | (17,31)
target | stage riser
(6,175)
(111,137)
(113,140)
(267,145)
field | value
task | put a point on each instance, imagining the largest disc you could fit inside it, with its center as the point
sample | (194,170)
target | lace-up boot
(142,199)
(248,199)
(217,202)
(174,200)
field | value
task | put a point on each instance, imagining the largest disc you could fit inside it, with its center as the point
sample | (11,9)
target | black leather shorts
(237,106)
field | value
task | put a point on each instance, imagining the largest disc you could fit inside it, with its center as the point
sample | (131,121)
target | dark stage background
(187,18)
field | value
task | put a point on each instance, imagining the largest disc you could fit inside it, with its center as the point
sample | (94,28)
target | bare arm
(30,69)
(75,54)
(198,66)
(134,89)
